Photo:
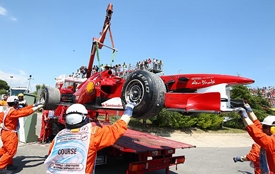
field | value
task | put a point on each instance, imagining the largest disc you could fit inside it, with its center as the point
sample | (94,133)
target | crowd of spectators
(154,65)
(148,64)
(267,92)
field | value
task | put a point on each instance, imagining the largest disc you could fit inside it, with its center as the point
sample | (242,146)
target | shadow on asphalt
(244,172)
(27,162)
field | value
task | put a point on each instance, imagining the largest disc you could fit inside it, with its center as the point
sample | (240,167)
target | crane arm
(100,41)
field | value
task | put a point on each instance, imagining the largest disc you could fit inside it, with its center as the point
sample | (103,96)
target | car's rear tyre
(51,98)
(147,91)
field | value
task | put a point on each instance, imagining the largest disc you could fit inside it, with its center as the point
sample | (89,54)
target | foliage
(176,120)
(4,87)
(260,105)
(209,121)
(173,119)
(241,92)
(39,88)
(3,91)
(234,122)
(255,101)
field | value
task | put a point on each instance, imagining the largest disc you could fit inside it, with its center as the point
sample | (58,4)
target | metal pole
(29,87)
(11,80)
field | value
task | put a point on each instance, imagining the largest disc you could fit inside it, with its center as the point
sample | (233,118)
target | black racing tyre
(147,91)
(51,98)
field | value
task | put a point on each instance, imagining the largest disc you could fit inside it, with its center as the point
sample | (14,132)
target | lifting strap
(97,55)
(113,55)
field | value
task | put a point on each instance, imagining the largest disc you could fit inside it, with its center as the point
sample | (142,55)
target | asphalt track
(200,160)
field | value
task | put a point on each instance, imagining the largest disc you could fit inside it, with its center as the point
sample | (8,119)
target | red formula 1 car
(183,92)
(105,90)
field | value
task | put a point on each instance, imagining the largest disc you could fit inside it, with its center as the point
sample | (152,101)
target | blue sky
(49,38)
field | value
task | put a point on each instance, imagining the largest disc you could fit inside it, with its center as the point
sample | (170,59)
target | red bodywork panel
(196,81)
(182,91)
(191,101)
(102,85)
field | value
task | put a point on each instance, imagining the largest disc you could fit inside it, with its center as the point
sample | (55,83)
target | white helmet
(269,120)
(76,116)
(12,99)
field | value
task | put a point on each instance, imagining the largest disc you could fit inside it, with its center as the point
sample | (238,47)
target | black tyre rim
(134,91)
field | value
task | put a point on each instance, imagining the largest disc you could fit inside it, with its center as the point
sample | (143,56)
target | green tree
(38,88)
(258,103)
(242,92)
(177,120)
(4,87)
(209,121)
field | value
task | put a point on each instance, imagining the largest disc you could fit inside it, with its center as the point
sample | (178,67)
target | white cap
(12,99)
(269,120)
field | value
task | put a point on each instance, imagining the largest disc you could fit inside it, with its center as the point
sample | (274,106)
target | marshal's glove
(129,109)
(237,159)
(37,104)
(247,107)
(242,112)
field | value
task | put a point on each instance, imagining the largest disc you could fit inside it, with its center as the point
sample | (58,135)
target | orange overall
(254,156)
(104,136)
(9,135)
(45,127)
(265,141)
